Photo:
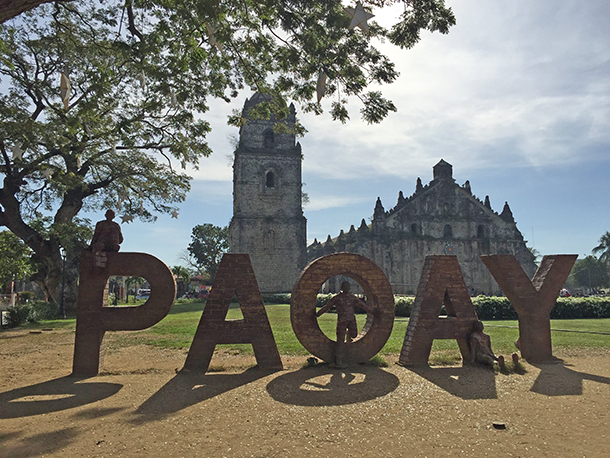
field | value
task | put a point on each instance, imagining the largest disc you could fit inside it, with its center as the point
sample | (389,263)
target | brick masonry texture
(533,300)
(235,277)
(441,284)
(94,317)
(377,290)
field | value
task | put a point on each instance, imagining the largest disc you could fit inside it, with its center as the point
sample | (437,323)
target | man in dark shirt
(107,235)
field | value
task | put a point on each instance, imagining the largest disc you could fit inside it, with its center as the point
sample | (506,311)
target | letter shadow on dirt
(190,388)
(466,382)
(556,379)
(53,395)
(326,386)
(38,444)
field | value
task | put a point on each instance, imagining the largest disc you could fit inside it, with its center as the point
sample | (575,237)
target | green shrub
(494,308)
(30,312)
(41,310)
(488,307)
(322,299)
(278,298)
(581,307)
(500,308)
(18,315)
(403,305)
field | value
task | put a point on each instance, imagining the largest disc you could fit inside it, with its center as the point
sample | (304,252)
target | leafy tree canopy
(183,273)
(589,273)
(141,74)
(603,249)
(14,258)
(208,244)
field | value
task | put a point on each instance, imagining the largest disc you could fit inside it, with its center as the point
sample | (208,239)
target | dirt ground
(139,406)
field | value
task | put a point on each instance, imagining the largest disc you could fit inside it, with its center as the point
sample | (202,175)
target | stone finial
(340,242)
(507,214)
(328,246)
(401,198)
(419,187)
(467,187)
(363,227)
(487,202)
(379,210)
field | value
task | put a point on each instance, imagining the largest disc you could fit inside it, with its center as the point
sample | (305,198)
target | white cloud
(330,201)
(512,85)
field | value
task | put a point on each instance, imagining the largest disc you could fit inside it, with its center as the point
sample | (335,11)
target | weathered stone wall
(438,219)
(268,221)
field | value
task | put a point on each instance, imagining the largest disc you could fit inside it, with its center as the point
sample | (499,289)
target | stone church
(439,218)
(268,221)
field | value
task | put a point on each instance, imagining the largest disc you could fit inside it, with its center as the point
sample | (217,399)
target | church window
(270,180)
(447,231)
(414,229)
(269,139)
(480,232)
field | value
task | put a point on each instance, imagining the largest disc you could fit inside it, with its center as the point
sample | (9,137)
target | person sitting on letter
(480,348)
(107,235)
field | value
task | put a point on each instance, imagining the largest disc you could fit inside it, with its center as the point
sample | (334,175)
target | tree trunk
(59,281)
(12,8)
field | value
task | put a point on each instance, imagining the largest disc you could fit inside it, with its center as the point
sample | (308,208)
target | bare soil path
(139,406)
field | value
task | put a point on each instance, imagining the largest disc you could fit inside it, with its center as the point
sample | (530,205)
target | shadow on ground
(325,386)
(467,382)
(53,395)
(38,444)
(190,388)
(556,379)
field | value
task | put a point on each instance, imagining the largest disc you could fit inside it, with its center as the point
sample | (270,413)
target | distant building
(439,218)
(268,221)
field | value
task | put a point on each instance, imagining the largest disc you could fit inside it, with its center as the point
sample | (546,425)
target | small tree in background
(589,273)
(15,258)
(535,254)
(208,244)
(181,273)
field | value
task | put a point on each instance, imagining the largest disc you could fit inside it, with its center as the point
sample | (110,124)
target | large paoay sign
(441,284)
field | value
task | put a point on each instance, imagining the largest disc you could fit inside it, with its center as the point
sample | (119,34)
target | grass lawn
(178,329)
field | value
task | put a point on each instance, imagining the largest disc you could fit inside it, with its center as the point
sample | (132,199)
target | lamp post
(62,305)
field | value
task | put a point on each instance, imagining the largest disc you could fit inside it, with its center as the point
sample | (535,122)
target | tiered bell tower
(268,221)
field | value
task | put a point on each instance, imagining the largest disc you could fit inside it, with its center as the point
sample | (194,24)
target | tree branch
(13,8)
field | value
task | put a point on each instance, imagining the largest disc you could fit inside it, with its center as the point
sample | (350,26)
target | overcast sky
(516,97)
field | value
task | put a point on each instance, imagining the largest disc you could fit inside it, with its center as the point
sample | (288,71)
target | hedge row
(499,308)
(493,307)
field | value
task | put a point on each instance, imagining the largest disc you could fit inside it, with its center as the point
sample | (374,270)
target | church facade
(441,217)
(268,221)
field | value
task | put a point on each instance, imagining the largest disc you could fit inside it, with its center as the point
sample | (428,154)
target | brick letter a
(235,276)
(441,284)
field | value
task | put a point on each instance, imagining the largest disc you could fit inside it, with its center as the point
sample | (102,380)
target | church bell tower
(268,221)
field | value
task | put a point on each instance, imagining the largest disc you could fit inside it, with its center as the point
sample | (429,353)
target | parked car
(143,294)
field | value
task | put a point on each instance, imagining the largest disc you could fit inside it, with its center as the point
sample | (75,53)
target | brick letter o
(377,289)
